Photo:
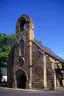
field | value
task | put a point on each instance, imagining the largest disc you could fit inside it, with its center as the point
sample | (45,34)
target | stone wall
(50,74)
(10,68)
(37,68)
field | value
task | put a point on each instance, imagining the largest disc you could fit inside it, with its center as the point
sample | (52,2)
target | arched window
(22,47)
(23,25)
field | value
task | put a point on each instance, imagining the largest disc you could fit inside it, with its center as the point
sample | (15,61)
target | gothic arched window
(22,47)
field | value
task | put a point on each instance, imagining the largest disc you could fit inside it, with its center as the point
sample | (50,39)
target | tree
(38,41)
(6,42)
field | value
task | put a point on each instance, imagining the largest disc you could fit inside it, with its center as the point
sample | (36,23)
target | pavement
(27,92)
(60,89)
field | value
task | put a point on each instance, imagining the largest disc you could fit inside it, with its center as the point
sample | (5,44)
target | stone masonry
(31,65)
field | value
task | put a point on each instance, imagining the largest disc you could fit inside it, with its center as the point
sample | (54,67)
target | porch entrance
(21,80)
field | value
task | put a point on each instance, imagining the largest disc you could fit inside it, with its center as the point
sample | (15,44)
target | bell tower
(25,28)
(23,49)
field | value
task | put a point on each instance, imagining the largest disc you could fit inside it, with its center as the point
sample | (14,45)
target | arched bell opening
(23,25)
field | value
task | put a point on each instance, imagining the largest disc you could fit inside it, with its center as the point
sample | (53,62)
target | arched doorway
(21,79)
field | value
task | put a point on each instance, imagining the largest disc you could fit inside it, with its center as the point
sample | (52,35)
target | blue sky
(48,17)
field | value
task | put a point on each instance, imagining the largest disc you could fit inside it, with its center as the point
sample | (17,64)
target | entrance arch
(21,79)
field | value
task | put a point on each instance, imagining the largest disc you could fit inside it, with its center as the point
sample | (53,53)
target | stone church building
(32,65)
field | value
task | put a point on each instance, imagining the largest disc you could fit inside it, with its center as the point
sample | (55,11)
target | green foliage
(6,42)
(38,41)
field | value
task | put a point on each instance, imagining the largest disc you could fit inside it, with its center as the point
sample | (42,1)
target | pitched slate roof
(49,52)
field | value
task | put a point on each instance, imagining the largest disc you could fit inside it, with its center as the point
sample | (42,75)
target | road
(8,92)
